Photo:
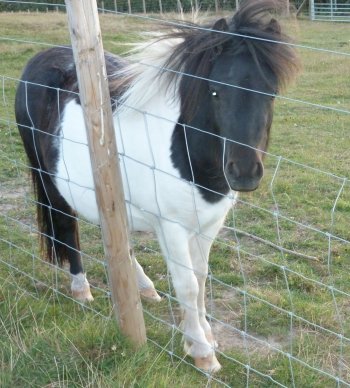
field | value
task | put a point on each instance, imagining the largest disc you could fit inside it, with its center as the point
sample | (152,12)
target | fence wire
(277,286)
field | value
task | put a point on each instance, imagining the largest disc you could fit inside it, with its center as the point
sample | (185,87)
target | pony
(192,112)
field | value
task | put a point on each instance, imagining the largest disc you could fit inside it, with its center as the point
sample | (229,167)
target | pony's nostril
(237,171)
(233,170)
(258,170)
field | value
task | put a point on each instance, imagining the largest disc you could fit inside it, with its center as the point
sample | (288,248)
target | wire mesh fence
(278,285)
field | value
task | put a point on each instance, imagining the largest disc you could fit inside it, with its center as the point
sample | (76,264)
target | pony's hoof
(82,295)
(150,294)
(211,340)
(208,364)
(80,288)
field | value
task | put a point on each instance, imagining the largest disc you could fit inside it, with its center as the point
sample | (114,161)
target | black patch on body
(206,175)
(48,83)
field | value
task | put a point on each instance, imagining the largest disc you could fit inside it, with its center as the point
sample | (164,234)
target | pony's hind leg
(80,288)
(59,233)
(67,246)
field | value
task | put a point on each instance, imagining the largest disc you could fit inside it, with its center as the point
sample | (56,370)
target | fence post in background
(95,100)
(332,10)
(286,12)
(312,9)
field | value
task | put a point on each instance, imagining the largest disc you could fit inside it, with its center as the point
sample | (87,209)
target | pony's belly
(79,194)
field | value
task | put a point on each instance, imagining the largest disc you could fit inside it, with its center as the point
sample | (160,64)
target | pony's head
(232,72)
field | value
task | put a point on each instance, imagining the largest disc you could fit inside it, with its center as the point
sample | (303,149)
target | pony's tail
(57,224)
(36,110)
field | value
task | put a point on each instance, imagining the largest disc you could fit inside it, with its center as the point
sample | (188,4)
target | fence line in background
(332,10)
(127,6)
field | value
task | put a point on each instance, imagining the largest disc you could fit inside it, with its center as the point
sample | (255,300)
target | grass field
(280,317)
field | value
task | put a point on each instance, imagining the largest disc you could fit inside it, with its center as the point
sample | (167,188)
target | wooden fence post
(95,100)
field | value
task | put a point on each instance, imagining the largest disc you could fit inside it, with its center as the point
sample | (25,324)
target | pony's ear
(220,25)
(274,27)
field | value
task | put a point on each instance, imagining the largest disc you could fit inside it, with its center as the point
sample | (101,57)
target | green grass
(48,340)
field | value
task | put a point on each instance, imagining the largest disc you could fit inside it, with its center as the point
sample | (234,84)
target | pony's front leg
(145,284)
(174,241)
(200,247)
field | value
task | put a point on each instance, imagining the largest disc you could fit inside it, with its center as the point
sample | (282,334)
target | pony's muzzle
(244,175)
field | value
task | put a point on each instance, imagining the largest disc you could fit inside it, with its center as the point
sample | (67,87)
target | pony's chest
(153,187)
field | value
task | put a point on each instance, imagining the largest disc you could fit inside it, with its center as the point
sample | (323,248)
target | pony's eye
(214,93)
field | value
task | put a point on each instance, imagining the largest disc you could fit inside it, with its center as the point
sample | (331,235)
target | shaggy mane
(191,50)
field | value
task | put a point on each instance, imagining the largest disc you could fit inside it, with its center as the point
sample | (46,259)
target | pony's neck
(198,157)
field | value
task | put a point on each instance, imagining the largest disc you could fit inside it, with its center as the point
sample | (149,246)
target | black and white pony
(192,115)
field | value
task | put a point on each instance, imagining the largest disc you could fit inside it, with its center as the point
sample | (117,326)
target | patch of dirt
(226,323)
(227,332)
(230,337)
(10,197)
(16,203)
